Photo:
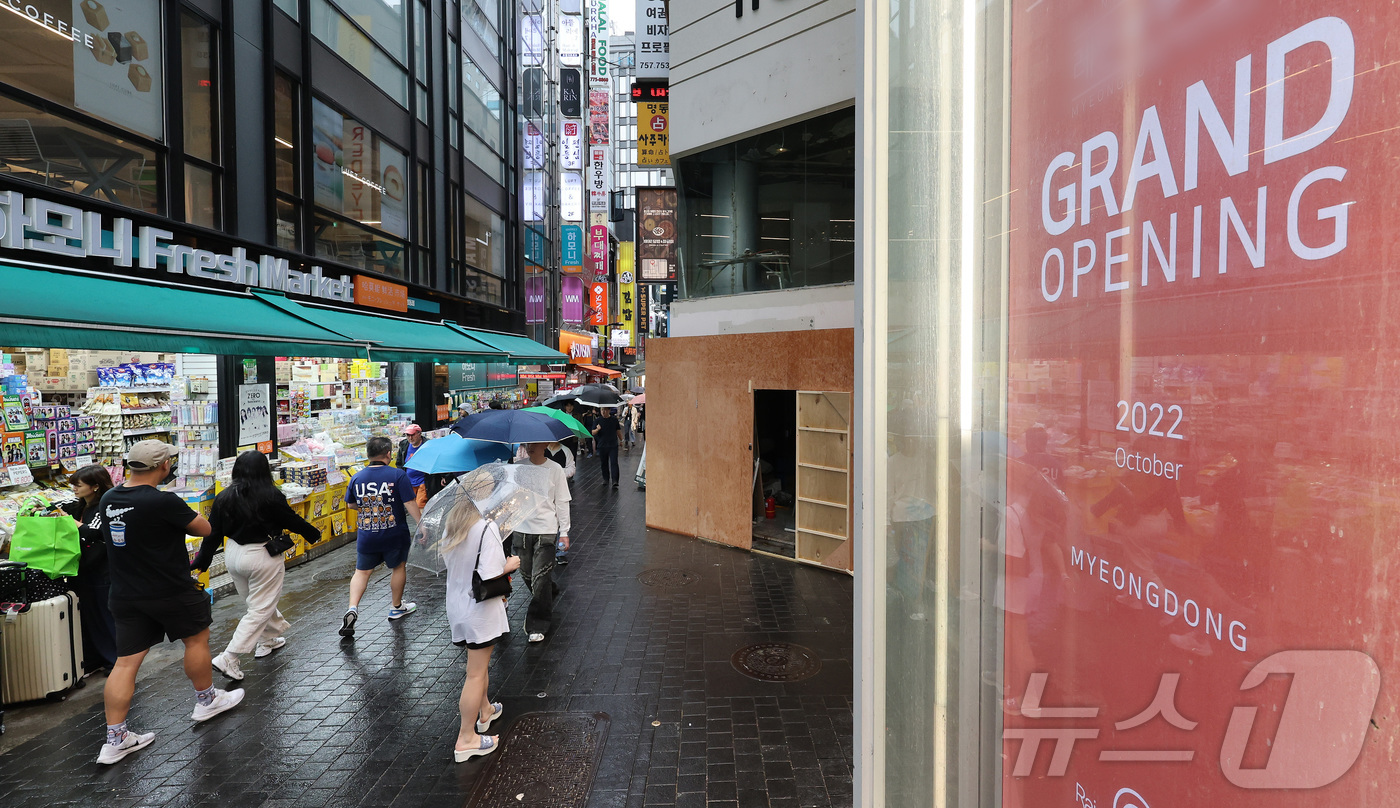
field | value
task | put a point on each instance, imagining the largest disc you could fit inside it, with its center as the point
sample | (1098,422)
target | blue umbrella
(511,426)
(454,454)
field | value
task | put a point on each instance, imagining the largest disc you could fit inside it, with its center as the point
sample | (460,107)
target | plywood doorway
(775,471)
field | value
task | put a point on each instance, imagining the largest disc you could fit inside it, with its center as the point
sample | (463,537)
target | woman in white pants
(473,544)
(250,513)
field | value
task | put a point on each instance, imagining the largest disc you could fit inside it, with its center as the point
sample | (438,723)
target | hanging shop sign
(571,248)
(571,145)
(570,92)
(627,291)
(533,146)
(570,40)
(598,249)
(532,196)
(598,179)
(643,312)
(653,134)
(598,117)
(571,196)
(571,298)
(87,237)
(536,288)
(598,42)
(598,304)
(579,347)
(653,40)
(1199,522)
(656,234)
(535,250)
(532,40)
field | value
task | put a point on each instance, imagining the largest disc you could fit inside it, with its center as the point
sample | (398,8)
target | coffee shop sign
(44,226)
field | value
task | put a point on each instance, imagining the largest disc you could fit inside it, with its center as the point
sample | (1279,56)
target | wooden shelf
(802,530)
(824,468)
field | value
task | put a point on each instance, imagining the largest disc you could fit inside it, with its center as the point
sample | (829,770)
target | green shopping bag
(48,543)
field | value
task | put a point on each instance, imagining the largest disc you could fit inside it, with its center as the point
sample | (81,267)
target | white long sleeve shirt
(554,517)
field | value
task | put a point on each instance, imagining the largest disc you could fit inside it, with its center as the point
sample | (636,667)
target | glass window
(483,287)
(485,159)
(771,211)
(358,246)
(484,238)
(43,148)
(350,42)
(198,87)
(420,52)
(292,7)
(201,196)
(484,25)
(481,105)
(357,174)
(104,61)
(385,22)
(288,222)
(284,133)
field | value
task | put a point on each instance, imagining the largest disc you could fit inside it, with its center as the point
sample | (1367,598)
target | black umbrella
(637,391)
(559,400)
(511,426)
(599,395)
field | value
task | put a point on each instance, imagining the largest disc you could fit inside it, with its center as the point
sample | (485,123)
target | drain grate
(549,758)
(776,662)
(667,578)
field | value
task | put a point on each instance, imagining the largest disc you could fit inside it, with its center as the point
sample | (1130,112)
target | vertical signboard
(627,291)
(536,289)
(571,196)
(1200,510)
(571,298)
(643,313)
(532,196)
(571,248)
(598,68)
(570,93)
(532,40)
(570,40)
(598,303)
(535,254)
(653,134)
(598,246)
(533,146)
(598,117)
(598,179)
(571,145)
(653,40)
(656,235)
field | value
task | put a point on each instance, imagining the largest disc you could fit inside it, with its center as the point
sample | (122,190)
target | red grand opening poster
(1202,553)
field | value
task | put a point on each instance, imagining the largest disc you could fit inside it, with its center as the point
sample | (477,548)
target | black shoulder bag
(279,544)
(485,589)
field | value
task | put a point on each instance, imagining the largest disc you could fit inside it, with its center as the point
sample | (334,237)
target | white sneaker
(227,664)
(537,637)
(408,607)
(224,700)
(266,648)
(134,740)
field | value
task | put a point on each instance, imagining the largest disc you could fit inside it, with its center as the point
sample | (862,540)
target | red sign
(1201,505)
(598,302)
(598,248)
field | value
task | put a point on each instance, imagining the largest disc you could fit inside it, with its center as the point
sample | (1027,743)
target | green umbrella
(564,418)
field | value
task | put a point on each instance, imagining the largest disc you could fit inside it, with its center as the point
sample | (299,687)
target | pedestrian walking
(473,545)
(412,441)
(382,498)
(153,595)
(251,513)
(589,419)
(560,453)
(607,434)
(94,582)
(628,418)
(535,543)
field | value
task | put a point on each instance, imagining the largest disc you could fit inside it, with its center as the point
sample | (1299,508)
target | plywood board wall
(700,423)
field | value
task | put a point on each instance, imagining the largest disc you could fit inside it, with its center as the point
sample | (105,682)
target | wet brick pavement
(372,723)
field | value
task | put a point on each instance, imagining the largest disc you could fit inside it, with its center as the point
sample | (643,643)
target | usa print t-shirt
(379,492)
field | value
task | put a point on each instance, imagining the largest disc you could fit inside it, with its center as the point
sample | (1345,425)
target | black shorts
(477,646)
(144,623)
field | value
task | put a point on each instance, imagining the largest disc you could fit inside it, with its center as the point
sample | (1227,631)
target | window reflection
(198,89)
(40,147)
(358,246)
(773,211)
(201,196)
(368,56)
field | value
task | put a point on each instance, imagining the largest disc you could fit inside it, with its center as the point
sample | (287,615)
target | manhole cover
(667,578)
(550,758)
(776,662)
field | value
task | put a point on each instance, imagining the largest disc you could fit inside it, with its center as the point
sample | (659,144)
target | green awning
(40,308)
(392,339)
(521,350)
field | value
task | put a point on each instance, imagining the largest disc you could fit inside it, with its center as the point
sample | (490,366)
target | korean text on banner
(571,145)
(598,249)
(653,134)
(653,40)
(627,291)
(1194,335)
(571,248)
(598,117)
(598,179)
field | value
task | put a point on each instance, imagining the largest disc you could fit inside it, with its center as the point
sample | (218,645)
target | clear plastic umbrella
(504,493)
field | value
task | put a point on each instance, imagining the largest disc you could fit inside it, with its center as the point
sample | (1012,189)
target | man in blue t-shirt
(382,498)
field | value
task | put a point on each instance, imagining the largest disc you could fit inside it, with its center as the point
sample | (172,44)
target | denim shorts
(391,558)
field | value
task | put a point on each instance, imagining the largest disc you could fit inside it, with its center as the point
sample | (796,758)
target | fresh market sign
(49,227)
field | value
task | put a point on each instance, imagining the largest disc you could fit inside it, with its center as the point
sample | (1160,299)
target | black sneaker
(614,486)
(347,625)
(562,561)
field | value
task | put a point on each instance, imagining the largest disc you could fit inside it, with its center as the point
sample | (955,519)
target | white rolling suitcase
(41,650)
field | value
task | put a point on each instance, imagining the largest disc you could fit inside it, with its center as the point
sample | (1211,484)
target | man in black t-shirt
(607,433)
(153,595)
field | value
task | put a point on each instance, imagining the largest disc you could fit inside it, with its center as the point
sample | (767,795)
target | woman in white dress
(473,543)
